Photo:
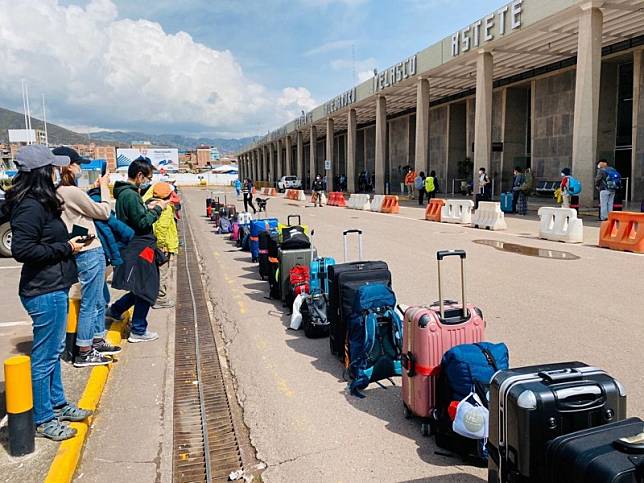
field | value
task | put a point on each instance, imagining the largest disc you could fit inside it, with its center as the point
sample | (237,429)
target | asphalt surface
(302,422)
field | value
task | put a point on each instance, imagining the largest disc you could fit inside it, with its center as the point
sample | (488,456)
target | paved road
(302,422)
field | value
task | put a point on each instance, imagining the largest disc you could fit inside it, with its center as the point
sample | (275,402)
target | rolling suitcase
(234,235)
(244,218)
(530,406)
(611,453)
(314,319)
(287,259)
(429,332)
(506,202)
(264,262)
(344,281)
(320,275)
(256,227)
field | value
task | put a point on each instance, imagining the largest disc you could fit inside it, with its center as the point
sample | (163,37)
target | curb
(69,452)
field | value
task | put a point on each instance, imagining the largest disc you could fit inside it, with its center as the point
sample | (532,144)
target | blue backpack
(375,337)
(613,179)
(225,226)
(574,186)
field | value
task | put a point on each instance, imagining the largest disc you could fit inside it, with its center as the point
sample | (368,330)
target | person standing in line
(139,273)
(247,190)
(79,213)
(517,182)
(318,190)
(419,184)
(410,179)
(430,185)
(237,184)
(484,187)
(41,243)
(607,182)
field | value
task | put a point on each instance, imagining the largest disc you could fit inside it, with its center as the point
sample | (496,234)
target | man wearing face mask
(139,273)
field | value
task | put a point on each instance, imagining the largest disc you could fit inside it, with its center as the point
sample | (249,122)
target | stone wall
(412,139)
(471,110)
(398,150)
(320,156)
(339,157)
(496,157)
(438,143)
(553,122)
(307,162)
(515,133)
(638,166)
(370,149)
(457,141)
(607,126)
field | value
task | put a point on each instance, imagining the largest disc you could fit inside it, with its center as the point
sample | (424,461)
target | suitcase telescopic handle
(440,255)
(288,219)
(345,235)
(561,375)
(450,253)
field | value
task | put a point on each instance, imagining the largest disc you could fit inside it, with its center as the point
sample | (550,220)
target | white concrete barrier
(457,211)
(489,216)
(376,204)
(300,195)
(359,201)
(560,224)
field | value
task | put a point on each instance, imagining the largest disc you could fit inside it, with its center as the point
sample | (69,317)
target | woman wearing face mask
(41,243)
(79,214)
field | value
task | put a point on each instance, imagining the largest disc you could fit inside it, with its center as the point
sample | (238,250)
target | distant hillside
(57,135)
(175,140)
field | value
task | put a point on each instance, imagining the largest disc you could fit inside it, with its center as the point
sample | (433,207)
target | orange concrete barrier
(336,198)
(624,231)
(272,192)
(390,205)
(434,208)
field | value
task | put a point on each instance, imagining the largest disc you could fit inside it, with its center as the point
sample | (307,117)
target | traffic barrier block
(624,231)
(336,198)
(376,204)
(272,192)
(359,201)
(300,196)
(19,402)
(489,216)
(433,210)
(390,205)
(560,224)
(457,211)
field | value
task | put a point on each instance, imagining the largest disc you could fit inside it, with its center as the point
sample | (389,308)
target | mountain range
(59,135)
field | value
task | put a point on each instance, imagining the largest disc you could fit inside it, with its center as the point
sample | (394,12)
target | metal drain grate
(205,443)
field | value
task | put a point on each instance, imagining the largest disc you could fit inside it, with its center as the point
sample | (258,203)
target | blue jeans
(91,316)
(141,309)
(48,313)
(606,199)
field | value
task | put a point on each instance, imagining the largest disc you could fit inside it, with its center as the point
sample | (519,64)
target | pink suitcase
(234,236)
(429,332)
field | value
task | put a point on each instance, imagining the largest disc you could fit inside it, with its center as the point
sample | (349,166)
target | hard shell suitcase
(506,202)
(612,453)
(287,260)
(234,235)
(531,406)
(344,281)
(320,274)
(256,227)
(429,332)
(264,255)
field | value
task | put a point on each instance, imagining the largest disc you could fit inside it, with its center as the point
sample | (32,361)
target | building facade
(539,84)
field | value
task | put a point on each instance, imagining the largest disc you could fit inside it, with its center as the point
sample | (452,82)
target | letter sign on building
(392,76)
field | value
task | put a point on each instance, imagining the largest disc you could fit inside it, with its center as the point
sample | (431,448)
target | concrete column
(483,112)
(351,150)
(381,143)
(300,157)
(289,155)
(313,151)
(422,125)
(278,171)
(330,153)
(584,132)
(241,166)
(271,161)
(637,163)
(253,167)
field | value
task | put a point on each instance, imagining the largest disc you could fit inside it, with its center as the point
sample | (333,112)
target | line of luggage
(562,422)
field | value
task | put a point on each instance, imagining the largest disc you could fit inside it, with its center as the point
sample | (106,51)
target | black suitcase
(344,280)
(264,252)
(314,316)
(613,453)
(531,406)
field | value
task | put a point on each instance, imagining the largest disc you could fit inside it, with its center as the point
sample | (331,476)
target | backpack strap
(488,356)
(370,324)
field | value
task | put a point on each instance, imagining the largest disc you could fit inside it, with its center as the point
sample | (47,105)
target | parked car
(289,182)
(5,231)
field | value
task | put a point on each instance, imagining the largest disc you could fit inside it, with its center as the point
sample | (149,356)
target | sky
(217,68)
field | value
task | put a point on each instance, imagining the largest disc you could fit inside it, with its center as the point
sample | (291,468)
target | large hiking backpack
(314,319)
(375,337)
(298,278)
(225,225)
(613,179)
(465,369)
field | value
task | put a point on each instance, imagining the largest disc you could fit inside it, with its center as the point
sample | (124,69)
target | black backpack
(294,239)
(314,319)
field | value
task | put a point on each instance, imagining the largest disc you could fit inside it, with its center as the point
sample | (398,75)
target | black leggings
(248,200)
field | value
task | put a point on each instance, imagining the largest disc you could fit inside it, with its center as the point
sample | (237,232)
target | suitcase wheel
(406,412)
(425,429)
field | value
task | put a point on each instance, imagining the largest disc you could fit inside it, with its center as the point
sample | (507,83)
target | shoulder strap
(488,356)
(370,324)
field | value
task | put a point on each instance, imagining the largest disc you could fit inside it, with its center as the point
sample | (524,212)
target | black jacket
(318,185)
(139,272)
(40,242)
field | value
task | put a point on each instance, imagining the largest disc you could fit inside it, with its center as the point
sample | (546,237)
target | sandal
(55,430)
(69,412)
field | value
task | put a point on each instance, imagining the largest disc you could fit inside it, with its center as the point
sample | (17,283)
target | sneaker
(69,412)
(147,337)
(105,348)
(55,430)
(91,358)
(164,304)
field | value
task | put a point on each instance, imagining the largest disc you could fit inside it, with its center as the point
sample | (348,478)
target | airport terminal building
(545,84)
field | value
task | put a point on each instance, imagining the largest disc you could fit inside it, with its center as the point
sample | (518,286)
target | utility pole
(44,118)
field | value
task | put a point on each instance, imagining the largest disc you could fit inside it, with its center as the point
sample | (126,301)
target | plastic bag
(472,418)
(296,316)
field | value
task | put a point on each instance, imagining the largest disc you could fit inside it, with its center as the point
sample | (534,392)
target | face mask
(77,174)
(145,185)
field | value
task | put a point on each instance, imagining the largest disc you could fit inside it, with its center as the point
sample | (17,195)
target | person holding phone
(78,215)
(41,243)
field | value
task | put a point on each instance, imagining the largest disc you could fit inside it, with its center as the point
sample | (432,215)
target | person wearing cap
(165,229)
(139,272)
(42,244)
(79,214)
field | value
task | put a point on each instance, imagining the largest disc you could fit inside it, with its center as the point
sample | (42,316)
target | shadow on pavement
(454,478)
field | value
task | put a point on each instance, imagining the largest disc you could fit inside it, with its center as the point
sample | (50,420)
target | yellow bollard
(70,335)
(17,375)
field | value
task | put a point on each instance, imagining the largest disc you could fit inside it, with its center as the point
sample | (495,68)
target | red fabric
(299,278)
(451,410)
(147,254)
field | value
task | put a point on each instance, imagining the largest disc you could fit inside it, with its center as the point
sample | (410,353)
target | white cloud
(360,65)
(330,47)
(97,69)
(365,75)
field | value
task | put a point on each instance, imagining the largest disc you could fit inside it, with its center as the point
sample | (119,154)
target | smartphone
(103,168)
(78,230)
(86,240)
